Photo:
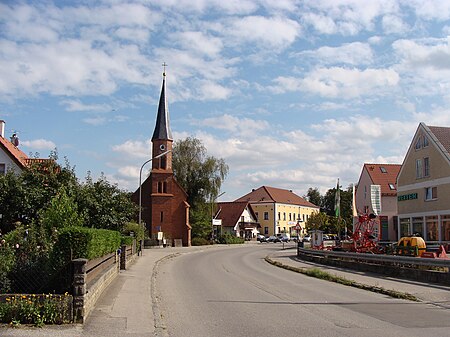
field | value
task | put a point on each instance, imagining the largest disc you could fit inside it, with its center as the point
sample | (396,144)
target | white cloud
(340,82)
(200,43)
(266,32)
(39,144)
(77,105)
(393,24)
(244,126)
(133,149)
(355,53)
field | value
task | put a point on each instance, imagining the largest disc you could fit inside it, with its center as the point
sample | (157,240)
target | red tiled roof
(277,195)
(443,135)
(17,155)
(231,212)
(389,176)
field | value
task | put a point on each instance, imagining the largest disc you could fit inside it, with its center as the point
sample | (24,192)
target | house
(165,210)
(279,210)
(11,157)
(238,219)
(423,185)
(384,175)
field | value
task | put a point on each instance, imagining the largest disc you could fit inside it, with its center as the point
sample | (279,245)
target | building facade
(164,206)
(424,185)
(238,219)
(279,211)
(384,175)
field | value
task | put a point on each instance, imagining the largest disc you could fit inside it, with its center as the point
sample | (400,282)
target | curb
(314,272)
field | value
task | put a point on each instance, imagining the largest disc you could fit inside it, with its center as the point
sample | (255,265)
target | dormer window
(392,186)
(383,169)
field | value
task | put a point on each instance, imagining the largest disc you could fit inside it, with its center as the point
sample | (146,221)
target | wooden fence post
(79,289)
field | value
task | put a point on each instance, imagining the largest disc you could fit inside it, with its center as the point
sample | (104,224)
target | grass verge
(323,275)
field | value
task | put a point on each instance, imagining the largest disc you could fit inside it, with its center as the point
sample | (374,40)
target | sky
(291,94)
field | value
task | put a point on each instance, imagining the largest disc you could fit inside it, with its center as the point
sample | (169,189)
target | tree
(104,205)
(24,195)
(318,220)
(201,176)
(313,196)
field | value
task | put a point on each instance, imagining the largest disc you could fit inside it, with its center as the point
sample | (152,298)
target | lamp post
(212,213)
(140,181)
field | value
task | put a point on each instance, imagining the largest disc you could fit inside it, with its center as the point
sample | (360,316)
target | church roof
(277,195)
(162,127)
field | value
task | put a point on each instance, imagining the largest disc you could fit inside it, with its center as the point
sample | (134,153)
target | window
(165,187)
(426,167)
(418,144)
(160,187)
(163,162)
(266,230)
(284,215)
(279,216)
(431,193)
(392,186)
(2,169)
(266,215)
(162,216)
(425,141)
(419,171)
(383,169)
(290,217)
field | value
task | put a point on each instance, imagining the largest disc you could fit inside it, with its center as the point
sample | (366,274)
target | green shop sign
(410,196)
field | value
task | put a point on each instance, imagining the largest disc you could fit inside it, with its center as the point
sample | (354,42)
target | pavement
(127,308)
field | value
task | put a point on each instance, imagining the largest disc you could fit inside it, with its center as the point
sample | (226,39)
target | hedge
(126,240)
(83,242)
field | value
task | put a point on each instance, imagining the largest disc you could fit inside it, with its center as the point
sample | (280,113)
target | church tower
(165,209)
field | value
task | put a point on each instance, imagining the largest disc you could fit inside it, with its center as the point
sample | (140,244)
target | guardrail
(415,268)
(379,258)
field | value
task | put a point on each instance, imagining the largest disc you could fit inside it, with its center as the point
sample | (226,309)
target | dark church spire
(162,127)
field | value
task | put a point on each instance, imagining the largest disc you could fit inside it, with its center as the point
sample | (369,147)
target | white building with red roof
(278,210)
(11,157)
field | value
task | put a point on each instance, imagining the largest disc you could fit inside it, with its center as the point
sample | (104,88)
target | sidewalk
(124,309)
(432,293)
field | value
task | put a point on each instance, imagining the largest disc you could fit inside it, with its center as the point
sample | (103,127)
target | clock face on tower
(162,147)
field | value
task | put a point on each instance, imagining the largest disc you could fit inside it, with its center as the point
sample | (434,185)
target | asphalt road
(232,291)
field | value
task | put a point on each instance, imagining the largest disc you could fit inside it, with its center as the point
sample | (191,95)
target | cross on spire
(164,68)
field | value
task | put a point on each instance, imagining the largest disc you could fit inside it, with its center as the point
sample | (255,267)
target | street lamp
(140,181)
(212,213)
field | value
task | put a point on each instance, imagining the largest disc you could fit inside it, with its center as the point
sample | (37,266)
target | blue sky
(292,94)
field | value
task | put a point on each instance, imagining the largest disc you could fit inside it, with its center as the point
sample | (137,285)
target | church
(165,210)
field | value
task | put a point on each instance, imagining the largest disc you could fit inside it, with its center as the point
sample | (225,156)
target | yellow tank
(411,245)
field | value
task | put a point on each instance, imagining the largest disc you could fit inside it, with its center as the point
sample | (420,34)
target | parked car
(307,238)
(261,238)
(284,238)
(273,239)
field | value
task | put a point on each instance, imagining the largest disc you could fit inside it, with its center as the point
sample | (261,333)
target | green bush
(137,229)
(126,240)
(7,261)
(82,242)
(229,239)
(200,242)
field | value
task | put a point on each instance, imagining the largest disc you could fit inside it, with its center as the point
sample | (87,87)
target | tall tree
(201,176)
